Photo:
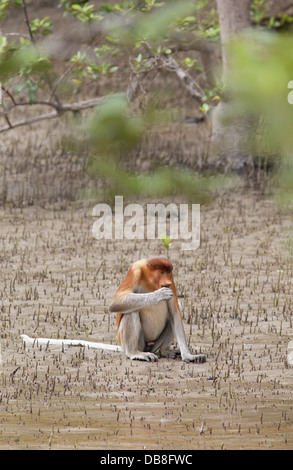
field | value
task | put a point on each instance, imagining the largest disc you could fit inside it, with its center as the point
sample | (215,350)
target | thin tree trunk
(228,141)
(233,18)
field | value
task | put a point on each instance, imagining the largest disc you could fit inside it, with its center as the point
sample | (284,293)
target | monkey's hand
(163,294)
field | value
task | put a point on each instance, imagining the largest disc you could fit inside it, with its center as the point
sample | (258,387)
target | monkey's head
(160,272)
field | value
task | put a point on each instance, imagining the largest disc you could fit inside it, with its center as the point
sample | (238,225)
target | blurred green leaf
(32,88)
(164,181)
(3,45)
(4,8)
(85,12)
(261,68)
(155,24)
(41,26)
(10,64)
(113,127)
(260,82)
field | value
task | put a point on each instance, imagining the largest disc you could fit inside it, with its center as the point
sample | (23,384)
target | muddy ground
(57,281)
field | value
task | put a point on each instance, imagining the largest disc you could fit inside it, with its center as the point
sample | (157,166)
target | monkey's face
(161,278)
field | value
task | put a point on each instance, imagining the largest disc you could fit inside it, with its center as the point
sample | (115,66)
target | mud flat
(56,281)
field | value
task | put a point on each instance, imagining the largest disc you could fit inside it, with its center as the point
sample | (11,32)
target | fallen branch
(68,342)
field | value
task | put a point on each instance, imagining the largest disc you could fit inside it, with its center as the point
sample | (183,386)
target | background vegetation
(107,79)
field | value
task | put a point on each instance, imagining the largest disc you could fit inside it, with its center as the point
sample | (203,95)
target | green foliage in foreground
(114,130)
(260,81)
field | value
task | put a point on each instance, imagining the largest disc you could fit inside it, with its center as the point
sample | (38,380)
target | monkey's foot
(144,356)
(199,358)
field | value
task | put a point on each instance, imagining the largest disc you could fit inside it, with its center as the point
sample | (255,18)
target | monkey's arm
(130,302)
(178,331)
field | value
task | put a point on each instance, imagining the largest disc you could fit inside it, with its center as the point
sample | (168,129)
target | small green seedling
(166,241)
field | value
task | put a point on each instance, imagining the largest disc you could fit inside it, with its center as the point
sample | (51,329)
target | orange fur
(119,318)
(127,284)
(160,264)
(141,274)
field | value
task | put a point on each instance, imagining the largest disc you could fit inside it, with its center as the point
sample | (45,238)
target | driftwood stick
(69,342)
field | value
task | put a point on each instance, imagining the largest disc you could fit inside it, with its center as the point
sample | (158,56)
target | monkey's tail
(69,342)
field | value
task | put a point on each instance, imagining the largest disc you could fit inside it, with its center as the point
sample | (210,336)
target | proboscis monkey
(148,315)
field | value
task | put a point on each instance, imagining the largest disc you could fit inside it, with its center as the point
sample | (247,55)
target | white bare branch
(69,342)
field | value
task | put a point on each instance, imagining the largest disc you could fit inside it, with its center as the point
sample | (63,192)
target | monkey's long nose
(167,284)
